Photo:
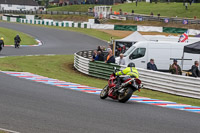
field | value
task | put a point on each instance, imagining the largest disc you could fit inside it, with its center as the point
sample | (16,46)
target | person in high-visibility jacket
(130,70)
(1,43)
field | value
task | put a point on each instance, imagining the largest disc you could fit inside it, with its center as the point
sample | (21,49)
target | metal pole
(182,60)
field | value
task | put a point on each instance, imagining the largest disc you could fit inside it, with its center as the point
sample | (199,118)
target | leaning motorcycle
(124,92)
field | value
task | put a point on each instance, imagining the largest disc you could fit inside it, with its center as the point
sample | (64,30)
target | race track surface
(31,107)
(54,41)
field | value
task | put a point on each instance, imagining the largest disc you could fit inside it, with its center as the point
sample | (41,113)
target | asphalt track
(30,107)
(54,41)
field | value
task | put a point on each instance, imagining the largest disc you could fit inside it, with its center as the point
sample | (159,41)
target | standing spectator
(95,56)
(122,60)
(1,43)
(175,68)
(109,48)
(110,58)
(136,2)
(190,2)
(151,65)
(186,5)
(132,11)
(120,11)
(151,14)
(100,56)
(195,69)
(99,49)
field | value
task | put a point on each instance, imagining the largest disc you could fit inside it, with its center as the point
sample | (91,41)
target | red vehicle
(124,91)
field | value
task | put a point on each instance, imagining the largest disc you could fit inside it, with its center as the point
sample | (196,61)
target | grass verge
(176,9)
(72,8)
(9,35)
(3,132)
(61,67)
(172,9)
(76,18)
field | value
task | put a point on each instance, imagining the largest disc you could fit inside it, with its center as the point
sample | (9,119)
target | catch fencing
(159,81)
(126,16)
(91,25)
(45,12)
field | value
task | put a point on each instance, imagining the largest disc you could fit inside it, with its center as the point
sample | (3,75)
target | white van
(162,52)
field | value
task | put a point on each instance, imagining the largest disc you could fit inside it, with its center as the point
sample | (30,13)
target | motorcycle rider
(130,70)
(17,41)
(1,43)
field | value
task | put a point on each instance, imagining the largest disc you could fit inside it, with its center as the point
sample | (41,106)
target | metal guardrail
(128,16)
(45,12)
(159,19)
(159,81)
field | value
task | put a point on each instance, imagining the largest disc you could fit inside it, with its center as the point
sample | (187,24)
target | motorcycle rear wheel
(124,97)
(104,92)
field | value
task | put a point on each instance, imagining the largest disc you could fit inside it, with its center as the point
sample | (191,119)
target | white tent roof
(134,37)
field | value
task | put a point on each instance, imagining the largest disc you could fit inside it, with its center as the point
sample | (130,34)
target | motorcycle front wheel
(104,92)
(124,97)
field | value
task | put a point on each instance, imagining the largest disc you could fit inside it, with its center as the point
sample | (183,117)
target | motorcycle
(17,44)
(124,91)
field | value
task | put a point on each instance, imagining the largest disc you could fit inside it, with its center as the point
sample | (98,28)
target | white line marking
(10,131)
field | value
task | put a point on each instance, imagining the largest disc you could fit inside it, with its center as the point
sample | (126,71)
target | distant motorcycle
(17,44)
(124,91)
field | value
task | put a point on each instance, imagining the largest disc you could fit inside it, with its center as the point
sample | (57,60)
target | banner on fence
(166,20)
(126,27)
(138,18)
(185,21)
(117,17)
(149,29)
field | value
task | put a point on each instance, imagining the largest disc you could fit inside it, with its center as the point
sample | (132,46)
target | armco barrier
(159,81)
(103,26)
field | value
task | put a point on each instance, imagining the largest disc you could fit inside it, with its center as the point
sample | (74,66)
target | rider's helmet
(131,64)
(2,38)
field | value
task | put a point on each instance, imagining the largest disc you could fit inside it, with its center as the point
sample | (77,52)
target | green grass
(60,67)
(72,8)
(9,35)
(164,9)
(76,18)
(3,131)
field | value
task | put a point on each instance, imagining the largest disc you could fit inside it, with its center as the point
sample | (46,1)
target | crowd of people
(103,54)
(106,55)
(176,69)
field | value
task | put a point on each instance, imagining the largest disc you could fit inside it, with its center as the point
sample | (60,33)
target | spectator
(195,69)
(122,60)
(186,5)
(158,15)
(1,43)
(110,58)
(151,14)
(132,11)
(175,68)
(151,65)
(136,1)
(95,56)
(120,11)
(109,48)
(99,49)
(190,2)
(100,56)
